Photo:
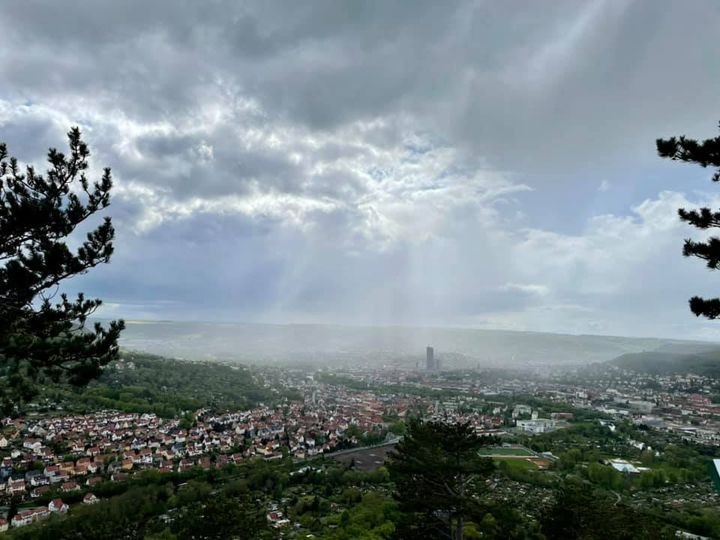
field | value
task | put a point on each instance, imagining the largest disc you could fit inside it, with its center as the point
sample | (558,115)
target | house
(58,478)
(26,517)
(185,464)
(3,525)
(15,487)
(95,480)
(118,477)
(276,520)
(57,505)
(36,478)
(3,444)
(32,444)
(69,486)
(90,498)
(39,491)
(78,447)
(39,480)
(22,518)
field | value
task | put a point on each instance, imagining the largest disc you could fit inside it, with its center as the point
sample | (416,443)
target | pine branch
(706,308)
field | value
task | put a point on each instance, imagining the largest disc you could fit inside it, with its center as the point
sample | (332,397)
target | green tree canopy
(41,335)
(437,469)
(580,513)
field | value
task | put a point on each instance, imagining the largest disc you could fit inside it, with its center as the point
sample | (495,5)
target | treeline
(670,363)
(142,383)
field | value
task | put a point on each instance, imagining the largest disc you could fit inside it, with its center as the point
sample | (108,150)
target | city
(51,461)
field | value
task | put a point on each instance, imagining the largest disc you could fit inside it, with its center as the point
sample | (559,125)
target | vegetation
(38,214)
(705,363)
(437,471)
(169,388)
(706,154)
(581,512)
(170,506)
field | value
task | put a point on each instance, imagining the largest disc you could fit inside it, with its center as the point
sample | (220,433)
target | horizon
(401,326)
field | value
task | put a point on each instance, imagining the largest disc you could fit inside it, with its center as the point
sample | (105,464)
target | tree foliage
(163,386)
(580,513)
(220,517)
(706,154)
(436,469)
(41,335)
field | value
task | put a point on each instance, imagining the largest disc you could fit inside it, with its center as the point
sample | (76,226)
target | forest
(144,383)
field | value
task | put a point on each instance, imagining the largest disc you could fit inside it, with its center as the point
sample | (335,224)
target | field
(517,464)
(516,451)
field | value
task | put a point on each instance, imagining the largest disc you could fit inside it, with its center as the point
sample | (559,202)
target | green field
(516,464)
(504,451)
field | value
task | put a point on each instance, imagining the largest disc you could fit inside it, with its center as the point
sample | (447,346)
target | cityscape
(53,461)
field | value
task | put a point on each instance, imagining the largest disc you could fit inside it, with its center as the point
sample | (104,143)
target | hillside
(401,346)
(705,363)
(144,383)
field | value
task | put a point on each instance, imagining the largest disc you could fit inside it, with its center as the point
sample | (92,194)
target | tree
(220,517)
(436,469)
(41,336)
(581,513)
(706,154)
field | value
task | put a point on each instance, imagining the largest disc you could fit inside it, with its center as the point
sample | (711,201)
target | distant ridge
(394,345)
(700,362)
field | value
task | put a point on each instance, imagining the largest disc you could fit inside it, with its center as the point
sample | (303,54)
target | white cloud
(530,288)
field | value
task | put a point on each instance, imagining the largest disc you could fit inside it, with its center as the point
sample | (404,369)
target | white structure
(538,425)
(623,466)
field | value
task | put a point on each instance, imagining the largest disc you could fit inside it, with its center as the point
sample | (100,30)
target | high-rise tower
(430,359)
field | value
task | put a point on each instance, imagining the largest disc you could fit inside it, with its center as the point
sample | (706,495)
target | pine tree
(437,470)
(43,335)
(706,154)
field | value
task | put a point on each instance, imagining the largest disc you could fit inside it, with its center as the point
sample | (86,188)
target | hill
(142,383)
(400,346)
(706,362)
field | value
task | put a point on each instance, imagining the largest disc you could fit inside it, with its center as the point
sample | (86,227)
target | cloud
(529,288)
(440,164)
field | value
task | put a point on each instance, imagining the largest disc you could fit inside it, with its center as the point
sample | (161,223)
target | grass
(504,451)
(517,464)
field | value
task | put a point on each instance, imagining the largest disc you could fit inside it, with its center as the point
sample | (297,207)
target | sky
(483,164)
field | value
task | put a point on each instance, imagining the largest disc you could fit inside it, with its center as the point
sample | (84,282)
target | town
(51,461)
